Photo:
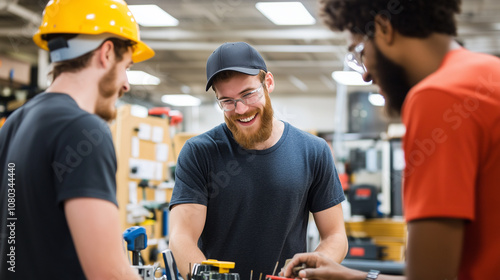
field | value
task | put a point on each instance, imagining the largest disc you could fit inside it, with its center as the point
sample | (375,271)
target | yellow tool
(224,267)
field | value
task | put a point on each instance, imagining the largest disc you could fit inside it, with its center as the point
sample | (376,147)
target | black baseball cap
(237,56)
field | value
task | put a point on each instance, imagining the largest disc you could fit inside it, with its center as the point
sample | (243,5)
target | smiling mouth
(245,120)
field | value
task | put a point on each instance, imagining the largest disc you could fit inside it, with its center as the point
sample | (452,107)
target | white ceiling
(305,54)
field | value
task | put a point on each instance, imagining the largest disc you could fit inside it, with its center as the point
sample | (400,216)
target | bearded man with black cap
(244,189)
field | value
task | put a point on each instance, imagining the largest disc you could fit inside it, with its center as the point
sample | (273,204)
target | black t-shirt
(50,151)
(258,201)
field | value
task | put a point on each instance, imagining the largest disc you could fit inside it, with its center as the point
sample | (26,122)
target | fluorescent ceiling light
(349,78)
(286,13)
(142,78)
(152,15)
(181,100)
(376,99)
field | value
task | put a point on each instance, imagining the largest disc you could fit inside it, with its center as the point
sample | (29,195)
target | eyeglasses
(249,98)
(354,59)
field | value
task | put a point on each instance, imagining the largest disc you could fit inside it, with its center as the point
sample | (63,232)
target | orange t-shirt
(452,154)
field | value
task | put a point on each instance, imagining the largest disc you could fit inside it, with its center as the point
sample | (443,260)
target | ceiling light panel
(286,13)
(142,78)
(181,100)
(152,15)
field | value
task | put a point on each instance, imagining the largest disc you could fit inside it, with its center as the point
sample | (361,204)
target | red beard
(107,89)
(248,139)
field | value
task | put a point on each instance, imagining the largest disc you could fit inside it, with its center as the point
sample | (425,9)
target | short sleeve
(84,163)
(190,183)
(326,190)
(441,153)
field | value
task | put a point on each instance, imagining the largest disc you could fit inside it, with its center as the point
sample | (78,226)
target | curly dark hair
(412,18)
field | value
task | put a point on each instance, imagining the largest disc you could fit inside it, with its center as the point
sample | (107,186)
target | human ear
(106,53)
(384,29)
(269,82)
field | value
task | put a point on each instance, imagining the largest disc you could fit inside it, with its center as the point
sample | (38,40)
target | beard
(393,81)
(107,89)
(248,140)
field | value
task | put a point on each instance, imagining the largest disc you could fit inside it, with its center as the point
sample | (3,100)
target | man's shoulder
(53,107)
(463,65)
(45,112)
(460,76)
(55,116)
(302,135)
(215,135)
(460,68)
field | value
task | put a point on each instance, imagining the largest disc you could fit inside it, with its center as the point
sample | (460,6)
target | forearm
(185,252)
(334,247)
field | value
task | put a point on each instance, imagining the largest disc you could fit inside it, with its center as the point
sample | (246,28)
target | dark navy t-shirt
(258,201)
(59,152)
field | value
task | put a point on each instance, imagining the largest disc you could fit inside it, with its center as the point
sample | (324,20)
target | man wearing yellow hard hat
(57,183)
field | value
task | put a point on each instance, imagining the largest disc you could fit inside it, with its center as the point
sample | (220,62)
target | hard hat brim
(142,52)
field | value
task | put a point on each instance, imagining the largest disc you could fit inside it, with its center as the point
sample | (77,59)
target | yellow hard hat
(92,17)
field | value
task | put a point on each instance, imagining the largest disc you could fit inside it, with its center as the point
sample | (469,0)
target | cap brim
(248,71)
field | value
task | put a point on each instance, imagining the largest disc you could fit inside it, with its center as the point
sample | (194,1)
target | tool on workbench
(170,266)
(297,269)
(272,277)
(214,270)
(275,267)
(137,241)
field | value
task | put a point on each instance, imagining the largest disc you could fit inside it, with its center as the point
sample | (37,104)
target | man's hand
(320,267)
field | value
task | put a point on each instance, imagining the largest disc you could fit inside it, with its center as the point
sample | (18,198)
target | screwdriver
(170,266)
